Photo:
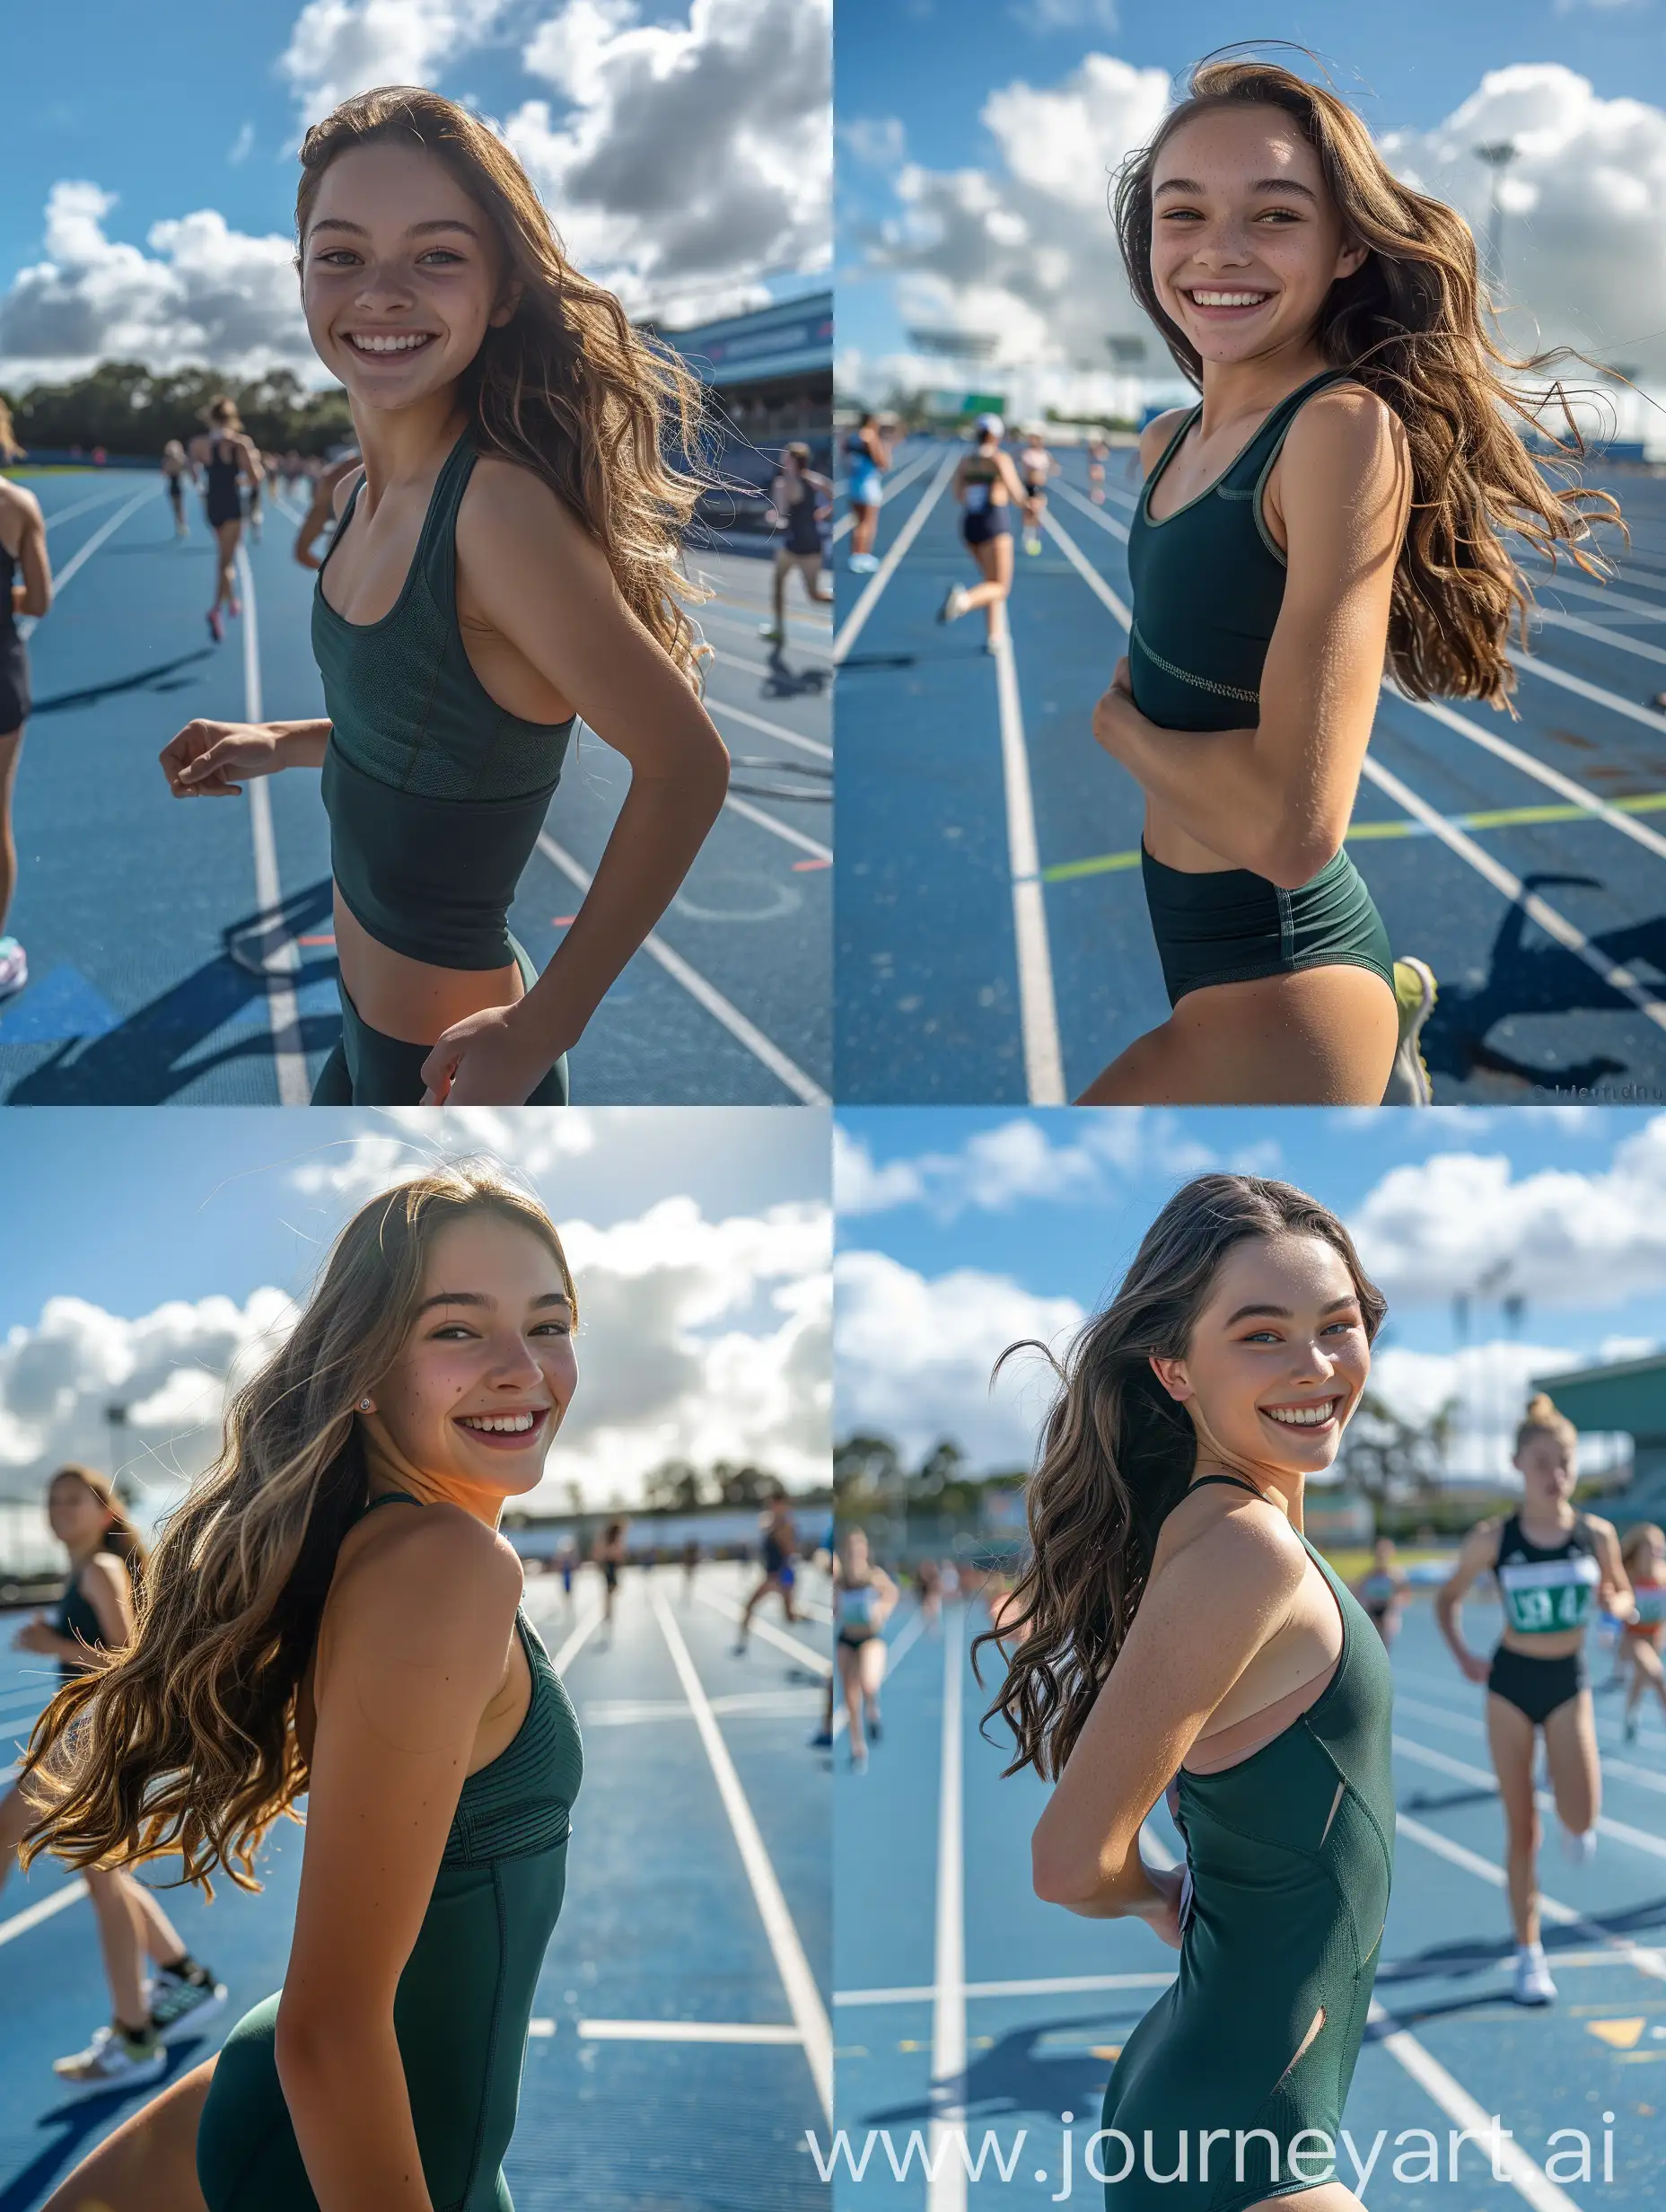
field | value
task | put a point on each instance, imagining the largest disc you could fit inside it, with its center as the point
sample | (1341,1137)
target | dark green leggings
(368,1069)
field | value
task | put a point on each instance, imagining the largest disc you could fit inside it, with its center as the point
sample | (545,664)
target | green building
(1628,1398)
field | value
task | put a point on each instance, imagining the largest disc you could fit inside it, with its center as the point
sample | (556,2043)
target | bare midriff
(1174,846)
(411,999)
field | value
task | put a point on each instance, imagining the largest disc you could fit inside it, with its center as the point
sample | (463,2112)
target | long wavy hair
(566,388)
(186,1741)
(121,1537)
(1410,324)
(1117,1454)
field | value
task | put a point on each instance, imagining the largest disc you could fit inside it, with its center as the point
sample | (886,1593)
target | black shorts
(853,1639)
(176,491)
(989,522)
(1535,1686)
(223,510)
(14,694)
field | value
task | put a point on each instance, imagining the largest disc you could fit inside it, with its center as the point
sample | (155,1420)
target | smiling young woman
(1174,1628)
(507,561)
(333,1611)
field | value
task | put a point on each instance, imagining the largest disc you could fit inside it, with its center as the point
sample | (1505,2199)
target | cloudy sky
(973,171)
(961,1231)
(149,1252)
(682,146)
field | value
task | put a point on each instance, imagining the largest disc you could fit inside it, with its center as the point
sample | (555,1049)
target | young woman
(1340,495)
(106,1562)
(1035,465)
(332,1611)
(1177,1627)
(778,1546)
(1642,1556)
(1381,1590)
(990,492)
(1553,1565)
(175,469)
(505,561)
(863,1596)
(226,457)
(1098,447)
(608,1553)
(867,457)
(25,588)
(803,502)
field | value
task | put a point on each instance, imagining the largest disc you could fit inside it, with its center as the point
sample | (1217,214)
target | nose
(514,1366)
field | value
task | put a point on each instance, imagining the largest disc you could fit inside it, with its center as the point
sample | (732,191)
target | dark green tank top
(76,1617)
(1208,583)
(436,795)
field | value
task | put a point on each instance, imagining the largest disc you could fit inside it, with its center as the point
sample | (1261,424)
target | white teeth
(1229,298)
(390,345)
(503,1424)
(1303,1417)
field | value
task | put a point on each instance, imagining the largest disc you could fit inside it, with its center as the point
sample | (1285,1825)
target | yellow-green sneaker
(1416,991)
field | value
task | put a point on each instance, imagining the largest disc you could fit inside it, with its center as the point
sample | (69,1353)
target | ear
(513,294)
(1352,257)
(1172,1374)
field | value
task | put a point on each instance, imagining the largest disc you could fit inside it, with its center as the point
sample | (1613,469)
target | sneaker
(13,967)
(236,606)
(739,1651)
(858,1762)
(953,605)
(874,1731)
(176,1998)
(216,625)
(862,563)
(822,1740)
(1579,1846)
(1033,541)
(1629,1728)
(1414,988)
(773,632)
(113,2060)
(1533,1985)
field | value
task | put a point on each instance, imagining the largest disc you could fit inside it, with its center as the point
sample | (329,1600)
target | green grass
(1349,1563)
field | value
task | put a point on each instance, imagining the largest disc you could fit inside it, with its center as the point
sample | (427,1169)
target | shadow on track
(143,678)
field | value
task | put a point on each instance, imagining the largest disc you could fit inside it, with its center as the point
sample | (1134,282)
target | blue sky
(931,66)
(175,111)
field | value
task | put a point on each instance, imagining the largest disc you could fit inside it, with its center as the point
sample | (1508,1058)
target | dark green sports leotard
(76,1617)
(1208,583)
(464,1999)
(1291,1853)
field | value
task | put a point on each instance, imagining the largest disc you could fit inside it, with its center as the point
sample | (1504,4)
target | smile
(1228,299)
(399,342)
(518,1426)
(1302,1416)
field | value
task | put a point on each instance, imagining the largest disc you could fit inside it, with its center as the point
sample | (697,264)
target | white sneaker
(1579,1846)
(1415,993)
(174,2001)
(1533,1985)
(112,2060)
(954,604)
(13,967)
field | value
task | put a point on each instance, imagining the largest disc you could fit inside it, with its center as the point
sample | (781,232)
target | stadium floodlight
(956,345)
(1497,154)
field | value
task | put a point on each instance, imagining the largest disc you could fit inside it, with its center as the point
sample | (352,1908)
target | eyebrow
(416,229)
(1261,184)
(1283,1312)
(478,1298)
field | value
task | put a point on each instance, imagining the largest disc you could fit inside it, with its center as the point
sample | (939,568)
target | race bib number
(1553,1596)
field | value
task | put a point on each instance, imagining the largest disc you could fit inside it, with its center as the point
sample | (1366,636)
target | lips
(510,1431)
(388,345)
(1316,1413)
(1224,299)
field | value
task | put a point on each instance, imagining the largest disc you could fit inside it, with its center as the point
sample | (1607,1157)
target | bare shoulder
(437,1565)
(20,500)
(509,513)
(1351,428)
(1156,435)
(1601,1528)
(104,1567)
(1232,1539)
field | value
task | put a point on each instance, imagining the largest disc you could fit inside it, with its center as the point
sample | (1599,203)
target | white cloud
(913,1357)
(535,1141)
(341,47)
(1556,1237)
(240,151)
(682,160)
(1492,1384)
(1046,16)
(878,140)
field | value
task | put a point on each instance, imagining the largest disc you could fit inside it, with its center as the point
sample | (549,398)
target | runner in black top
(803,503)
(224,453)
(779,1547)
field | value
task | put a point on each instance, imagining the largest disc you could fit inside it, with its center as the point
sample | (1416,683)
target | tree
(1389,1458)
(744,1485)
(676,1486)
(866,1466)
(938,1470)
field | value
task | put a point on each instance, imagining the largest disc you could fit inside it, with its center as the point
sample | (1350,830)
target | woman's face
(1278,1357)
(856,1553)
(1246,241)
(396,248)
(487,1372)
(1546,1467)
(77,1518)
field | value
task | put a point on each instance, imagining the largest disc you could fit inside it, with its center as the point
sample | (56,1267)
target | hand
(1110,714)
(486,1059)
(206,756)
(1474,1670)
(36,1635)
(1163,1916)
(306,556)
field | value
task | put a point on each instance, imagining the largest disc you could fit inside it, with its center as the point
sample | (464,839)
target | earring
(363,1405)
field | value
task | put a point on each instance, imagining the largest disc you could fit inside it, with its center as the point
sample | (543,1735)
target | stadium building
(769,375)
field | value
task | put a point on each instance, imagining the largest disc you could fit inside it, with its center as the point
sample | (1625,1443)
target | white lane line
(804,1654)
(32,1916)
(770,729)
(1554,925)
(887,569)
(1530,664)
(703,994)
(1564,786)
(895,1653)
(82,554)
(802,1996)
(1622,1769)
(749,812)
(1096,514)
(566,1653)
(1622,1831)
(947,2189)
(1609,597)
(283,1013)
(1086,569)
(1615,638)
(96,499)
(1064,1985)
(675,2031)
(1529,2181)
(734,622)
(1038,1010)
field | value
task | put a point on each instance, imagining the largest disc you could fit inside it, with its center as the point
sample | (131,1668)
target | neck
(79,1554)
(1232,389)
(407,444)
(1279,1486)
(389,1470)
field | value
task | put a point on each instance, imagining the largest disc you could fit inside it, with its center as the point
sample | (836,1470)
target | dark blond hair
(121,1536)
(1636,1541)
(222,414)
(1409,325)
(1117,1454)
(566,388)
(186,1741)
(1542,1418)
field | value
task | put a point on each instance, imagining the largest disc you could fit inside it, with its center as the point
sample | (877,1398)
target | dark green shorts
(368,1069)
(1236,927)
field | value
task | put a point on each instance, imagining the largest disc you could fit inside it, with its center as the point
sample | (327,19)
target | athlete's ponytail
(1542,1418)
(220,414)
(1410,325)
(1117,1454)
(185,1740)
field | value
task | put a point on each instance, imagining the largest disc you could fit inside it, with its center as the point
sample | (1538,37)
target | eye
(331,254)
(451,1333)
(445,253)
(557,1328)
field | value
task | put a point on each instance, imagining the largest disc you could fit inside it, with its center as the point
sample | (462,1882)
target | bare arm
(1277,799)
(1202,1619)
(397,1712)
(35,594)
(1615,1593)
(328,496)
(1478,1556)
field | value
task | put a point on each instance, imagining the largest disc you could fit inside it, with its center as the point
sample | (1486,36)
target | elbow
(1292,858)
(38,603)
(311,2046)
(1059,1877)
